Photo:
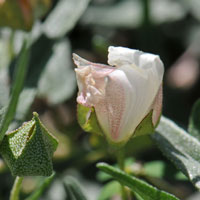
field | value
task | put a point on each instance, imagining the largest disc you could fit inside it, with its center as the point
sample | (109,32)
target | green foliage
(155,169)
(88,120)
(51,81)
(194,122)
(64,17)
(108,16)
(160,169)
(180,147)
(21,69)
(73,189)
(49,60)
(144,190)
(42,186)
(59,65)
(110,189)
(28,150)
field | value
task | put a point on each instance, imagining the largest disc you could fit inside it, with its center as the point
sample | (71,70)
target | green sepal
(28,150)
(88,120)
(146,126)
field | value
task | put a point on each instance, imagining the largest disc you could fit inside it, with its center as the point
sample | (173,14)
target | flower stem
(120,161)
(14,194)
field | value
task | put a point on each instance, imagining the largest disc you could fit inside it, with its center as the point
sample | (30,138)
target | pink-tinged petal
(157,106)
(90,79)
(122,95)
(110,111)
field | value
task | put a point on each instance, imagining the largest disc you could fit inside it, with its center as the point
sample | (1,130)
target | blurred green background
(55,29)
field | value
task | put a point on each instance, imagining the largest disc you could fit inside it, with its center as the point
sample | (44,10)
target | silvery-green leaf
(194,7)
(19,77)
(143,189)
(4,88)
(64,17)
(73,189)
(110,15)
(166,11)
(180,147)
(194,122)
(25,101)
(57,82)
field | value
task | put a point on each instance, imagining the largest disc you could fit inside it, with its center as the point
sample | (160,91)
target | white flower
(122,93)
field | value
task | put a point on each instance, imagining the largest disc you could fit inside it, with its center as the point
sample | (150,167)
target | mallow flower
(122,93)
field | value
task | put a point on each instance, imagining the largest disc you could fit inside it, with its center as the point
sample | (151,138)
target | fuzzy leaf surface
(180,147)
(143,189)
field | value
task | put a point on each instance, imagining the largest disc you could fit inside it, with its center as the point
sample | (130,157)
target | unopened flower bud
(122,93)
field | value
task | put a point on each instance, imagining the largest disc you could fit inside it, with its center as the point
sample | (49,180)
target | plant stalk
(14,194)
(120,161)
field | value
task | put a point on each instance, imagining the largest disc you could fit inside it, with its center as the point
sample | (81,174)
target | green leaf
(138,197)
(110,189)
(28,150)
(41,188)
(144,190)
(180,176)
(21,67)
(88,120)
(193,5)
(25,101)
(160,169)
(180,147)
(155,169)
(4,88)
(41,51)
(73,189)
(109,15)
(55,89)
(166,11)
(194,122)
(64,17)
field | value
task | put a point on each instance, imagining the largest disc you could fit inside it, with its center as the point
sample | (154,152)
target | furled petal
(119,56)
(130,92)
